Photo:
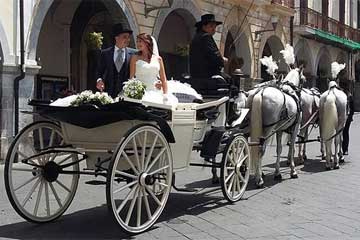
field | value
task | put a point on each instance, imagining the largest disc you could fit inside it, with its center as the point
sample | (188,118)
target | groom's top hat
(207,18)
(118,29)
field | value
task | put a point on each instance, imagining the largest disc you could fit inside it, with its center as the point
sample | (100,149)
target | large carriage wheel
(235,168)
(35,188)
(139,179)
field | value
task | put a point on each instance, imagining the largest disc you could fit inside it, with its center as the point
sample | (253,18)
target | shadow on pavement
(98,223)
(313,166)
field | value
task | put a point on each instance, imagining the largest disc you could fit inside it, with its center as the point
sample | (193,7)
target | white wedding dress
(148,74)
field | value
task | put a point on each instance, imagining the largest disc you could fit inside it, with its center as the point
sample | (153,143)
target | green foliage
(182,50)
(94,40)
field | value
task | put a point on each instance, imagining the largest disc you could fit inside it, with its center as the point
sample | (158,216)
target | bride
(147,66)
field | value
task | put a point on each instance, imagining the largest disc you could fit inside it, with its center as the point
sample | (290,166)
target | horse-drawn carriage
(137,146)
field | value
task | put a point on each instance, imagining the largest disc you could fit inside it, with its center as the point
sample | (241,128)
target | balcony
(308,18)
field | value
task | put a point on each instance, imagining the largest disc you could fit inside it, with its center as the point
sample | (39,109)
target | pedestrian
(205,57)
(349,119)
(113,67)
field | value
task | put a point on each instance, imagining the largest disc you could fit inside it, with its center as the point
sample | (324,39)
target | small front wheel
(139,179)
(235,168)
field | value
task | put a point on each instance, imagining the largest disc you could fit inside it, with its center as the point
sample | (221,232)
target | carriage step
(96,182)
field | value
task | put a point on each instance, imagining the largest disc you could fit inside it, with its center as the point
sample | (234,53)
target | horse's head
(295,76)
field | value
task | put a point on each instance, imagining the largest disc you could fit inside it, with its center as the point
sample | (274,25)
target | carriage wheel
(137,194)
(235,168)
(35,188)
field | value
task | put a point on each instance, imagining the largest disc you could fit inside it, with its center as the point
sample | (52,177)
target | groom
(113,67)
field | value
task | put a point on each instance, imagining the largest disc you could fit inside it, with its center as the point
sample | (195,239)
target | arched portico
(238,45)
(323,69)
(4,46)
(304,57)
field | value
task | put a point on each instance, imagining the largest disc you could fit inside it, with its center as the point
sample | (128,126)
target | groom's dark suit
(107,71)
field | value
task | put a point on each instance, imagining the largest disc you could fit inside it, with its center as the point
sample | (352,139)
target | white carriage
(137,146)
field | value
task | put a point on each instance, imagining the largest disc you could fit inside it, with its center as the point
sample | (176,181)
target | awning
(334,38)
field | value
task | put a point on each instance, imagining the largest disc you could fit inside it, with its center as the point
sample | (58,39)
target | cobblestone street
(318,205)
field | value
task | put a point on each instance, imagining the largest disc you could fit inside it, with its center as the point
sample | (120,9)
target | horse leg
(341,154)
(293,173)
(328,154)
(337,145)
(304,149)
(277,174)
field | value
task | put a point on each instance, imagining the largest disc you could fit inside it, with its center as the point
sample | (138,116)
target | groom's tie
(119,60)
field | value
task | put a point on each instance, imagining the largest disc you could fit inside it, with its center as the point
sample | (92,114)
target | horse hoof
(260,185)
(342,159)
(328,168)
(336,167)
(305,158)
(278,177)
(294,175)
(262,174)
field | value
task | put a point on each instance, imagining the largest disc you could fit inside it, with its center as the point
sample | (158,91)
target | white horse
(273,111)
(310,99)
(333,105)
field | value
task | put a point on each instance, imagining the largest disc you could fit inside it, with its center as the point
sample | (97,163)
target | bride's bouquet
(88,97)
(134,89)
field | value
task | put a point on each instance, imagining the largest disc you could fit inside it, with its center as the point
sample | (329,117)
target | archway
(174,40)
(303,55)
(66,25)
(237,50)
(272,47)
(323,70)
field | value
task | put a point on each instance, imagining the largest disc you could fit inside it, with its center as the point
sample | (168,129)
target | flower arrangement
(94,40)
(88,97)
(134,89)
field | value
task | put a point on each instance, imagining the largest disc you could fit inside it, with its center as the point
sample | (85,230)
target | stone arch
(304,54)
(192,7)
(272,46)
(323,69)
(174,42)
(236,40)
(43,6)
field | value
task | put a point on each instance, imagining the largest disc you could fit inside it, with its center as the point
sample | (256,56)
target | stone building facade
(57,56)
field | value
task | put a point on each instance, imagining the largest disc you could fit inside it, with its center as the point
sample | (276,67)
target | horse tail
(329,120)
(256,129)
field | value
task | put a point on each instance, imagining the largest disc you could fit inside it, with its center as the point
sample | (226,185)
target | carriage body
(135,145)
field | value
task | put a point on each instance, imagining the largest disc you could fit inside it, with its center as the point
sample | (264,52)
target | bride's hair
(147,39)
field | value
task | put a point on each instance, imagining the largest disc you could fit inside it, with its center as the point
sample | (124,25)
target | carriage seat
(214,87)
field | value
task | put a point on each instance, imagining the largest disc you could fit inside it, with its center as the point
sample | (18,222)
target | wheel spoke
(241,151)
(41,139)
(231,159)
(51,141)
(156,159)
(159,170)
(63,186)
(47,199)
(138,208)
(126,199)
(65,159)
(126,174)
(153,195)
(228,177)
(22,154)
(146,201)
(27,182)
(238,184)
(150,152)
(26,199)
(38,198)
(143,151)
(130,162)
(56,195)
(136,152)
(243,159)
(132,204)
(231,184)
(241,177)
(53,157)
(26,170)
(124,187)
(161,184)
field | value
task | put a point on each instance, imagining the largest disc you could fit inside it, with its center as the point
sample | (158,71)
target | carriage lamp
(152,8)
(238,74)
(274,21)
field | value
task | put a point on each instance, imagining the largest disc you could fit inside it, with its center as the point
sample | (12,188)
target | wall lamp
(274,21)
(152,8)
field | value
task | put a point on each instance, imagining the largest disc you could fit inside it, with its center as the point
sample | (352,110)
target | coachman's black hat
(118,29)
(207,18)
